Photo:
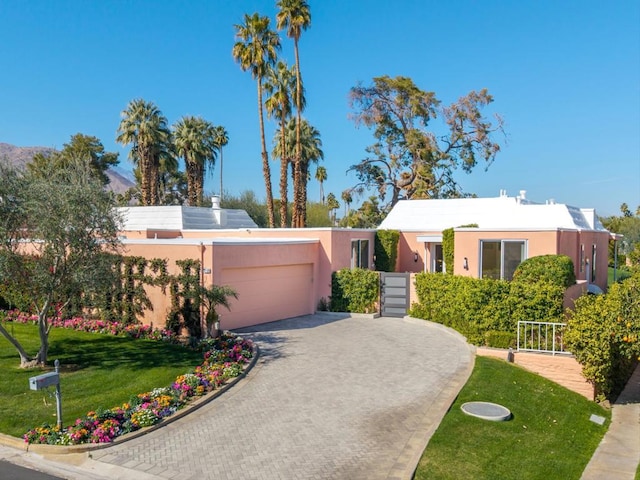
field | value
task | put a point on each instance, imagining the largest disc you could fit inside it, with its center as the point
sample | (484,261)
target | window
(500,258)
(581,257)
(360,254)
(593,263)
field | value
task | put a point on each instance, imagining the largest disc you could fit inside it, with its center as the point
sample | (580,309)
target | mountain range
(20,156)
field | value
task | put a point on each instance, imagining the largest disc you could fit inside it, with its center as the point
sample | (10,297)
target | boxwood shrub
(554,269)
(354,290)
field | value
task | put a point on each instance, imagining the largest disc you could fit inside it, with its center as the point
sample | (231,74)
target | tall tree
(280,83)
(321,177)
(54,232)
(347,199)
(408,160)
(145,127)
(194,140)
(255,50)
(221,139)
(295,16)
(310,149)
(84,148)
(332,205)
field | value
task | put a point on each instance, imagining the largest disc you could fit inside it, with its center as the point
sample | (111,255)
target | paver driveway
(330,398)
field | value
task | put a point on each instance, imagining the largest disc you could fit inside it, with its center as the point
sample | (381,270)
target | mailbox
(43,381)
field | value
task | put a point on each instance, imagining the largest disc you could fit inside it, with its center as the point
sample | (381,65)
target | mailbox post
(48,380)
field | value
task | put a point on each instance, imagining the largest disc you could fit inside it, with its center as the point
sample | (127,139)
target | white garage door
(266,294)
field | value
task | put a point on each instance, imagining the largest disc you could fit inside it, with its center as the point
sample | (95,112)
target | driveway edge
(407,462)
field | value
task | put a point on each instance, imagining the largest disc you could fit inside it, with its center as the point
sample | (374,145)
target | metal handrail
(534,337)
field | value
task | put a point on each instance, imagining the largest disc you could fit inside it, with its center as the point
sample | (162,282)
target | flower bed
(224,357)
(97,326)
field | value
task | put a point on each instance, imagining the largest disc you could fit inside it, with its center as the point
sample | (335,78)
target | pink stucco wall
(298,256)
(467,244)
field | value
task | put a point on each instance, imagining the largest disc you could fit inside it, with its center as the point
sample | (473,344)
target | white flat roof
(498,213)
(219,241)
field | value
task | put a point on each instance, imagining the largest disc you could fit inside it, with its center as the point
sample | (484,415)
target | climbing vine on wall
(447,249)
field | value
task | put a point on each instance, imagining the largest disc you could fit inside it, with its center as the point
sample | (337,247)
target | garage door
(266,294)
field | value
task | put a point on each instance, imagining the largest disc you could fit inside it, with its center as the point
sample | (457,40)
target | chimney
(219,215)
(523,194)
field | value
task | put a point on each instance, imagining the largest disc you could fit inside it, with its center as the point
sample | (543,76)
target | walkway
(618,455)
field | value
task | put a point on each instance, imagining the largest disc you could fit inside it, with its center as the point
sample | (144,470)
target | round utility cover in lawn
(487,411)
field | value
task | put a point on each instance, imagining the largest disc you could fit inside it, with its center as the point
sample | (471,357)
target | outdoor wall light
(465,263)
(415,256)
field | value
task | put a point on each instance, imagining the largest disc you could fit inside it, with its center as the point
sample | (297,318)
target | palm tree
(321,177)
(333,205)
(310,150)
(347,199)
(280,84)
(255,51)
(145,127)
(221,139)
(295,16)
(194,140)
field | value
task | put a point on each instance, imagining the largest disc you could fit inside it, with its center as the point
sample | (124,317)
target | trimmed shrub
(554,269)
(497,339)
(386,250)
(469,305)
(354,290)
(475,306)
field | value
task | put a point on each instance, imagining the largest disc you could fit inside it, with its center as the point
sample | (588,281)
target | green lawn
(97,371)
(549,436)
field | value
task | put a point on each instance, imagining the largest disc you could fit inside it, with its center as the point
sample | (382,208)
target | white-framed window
(581,257)
(593,263)
(500,258)
(359,253)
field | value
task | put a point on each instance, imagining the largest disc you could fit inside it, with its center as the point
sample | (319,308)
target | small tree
(55,226)
(210,298)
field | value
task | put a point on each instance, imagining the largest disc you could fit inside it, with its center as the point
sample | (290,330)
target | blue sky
(565,77)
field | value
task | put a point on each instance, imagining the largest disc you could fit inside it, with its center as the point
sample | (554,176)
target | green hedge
(603,332)
(474,307)
(354,290)
(555,269)
(386,250)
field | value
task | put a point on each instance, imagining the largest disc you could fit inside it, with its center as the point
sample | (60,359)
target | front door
(437,260)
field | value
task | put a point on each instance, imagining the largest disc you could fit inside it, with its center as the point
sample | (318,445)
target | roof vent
(523,194)
(215,202)
(503,193)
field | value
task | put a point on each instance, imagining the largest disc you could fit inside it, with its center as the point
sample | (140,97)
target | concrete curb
(18,443)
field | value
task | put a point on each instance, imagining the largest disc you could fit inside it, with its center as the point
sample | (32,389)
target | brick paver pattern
(329,398)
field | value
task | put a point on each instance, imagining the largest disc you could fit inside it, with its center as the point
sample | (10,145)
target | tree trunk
(284,168)
(221,173)
(298,206)
(266,171)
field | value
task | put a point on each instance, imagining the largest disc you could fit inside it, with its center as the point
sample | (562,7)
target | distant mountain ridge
(20,156)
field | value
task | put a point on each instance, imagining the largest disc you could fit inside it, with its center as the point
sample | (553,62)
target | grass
(97,371)
(621,274)
(549,436)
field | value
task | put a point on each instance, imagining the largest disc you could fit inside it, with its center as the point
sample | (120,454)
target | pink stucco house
(506,230)
(278,273)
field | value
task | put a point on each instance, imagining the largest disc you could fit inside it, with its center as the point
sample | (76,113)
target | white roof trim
(430,238)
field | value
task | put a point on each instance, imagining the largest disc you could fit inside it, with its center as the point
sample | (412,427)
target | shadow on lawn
(107,352)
